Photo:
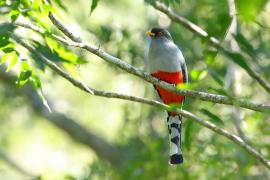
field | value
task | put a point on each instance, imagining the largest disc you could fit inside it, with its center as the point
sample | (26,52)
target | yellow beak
(149,33)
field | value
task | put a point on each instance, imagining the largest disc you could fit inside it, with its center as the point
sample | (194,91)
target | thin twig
(186,114)
(127,67)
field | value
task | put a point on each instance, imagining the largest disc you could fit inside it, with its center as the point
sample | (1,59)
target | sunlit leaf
(24,65)
(4,58)
(11,59)
(198,74)
(175,106)
(249,9)
(195,74)
(23,77)
(72,70)
(24,73)
(184,86)
(36,81)
(12,63)
(203,74)
(14,14)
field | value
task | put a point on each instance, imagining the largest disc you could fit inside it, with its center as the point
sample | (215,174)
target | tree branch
(228,135)
(186,114)
(127,67)
(204,35)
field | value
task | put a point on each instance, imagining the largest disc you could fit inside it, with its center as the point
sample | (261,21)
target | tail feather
(174,126)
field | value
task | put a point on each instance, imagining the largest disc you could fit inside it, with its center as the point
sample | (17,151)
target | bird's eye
(159,33)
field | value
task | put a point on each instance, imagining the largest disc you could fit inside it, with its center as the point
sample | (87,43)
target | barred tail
(174,126)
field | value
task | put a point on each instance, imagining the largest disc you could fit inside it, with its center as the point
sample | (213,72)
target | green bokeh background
(118,27)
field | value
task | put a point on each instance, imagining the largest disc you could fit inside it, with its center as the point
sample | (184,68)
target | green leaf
(14,14)
(12,63)
(4,40)
(15,4)
(23,77)
(195,74)
(36,81)
(213,118)
(5,28)
(63,54)
(249,9)
(93,6)
(37,85)
(209,56)
(4,58)
(8,49)
(24,73)
(238,59)
(72,70)
(245,45)
(198,74)
(11,58)
(24,65)
(187,86)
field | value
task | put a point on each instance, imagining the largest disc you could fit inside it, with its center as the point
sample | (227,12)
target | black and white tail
(174,126)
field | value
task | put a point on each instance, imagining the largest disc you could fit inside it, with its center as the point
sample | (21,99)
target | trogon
(166,62)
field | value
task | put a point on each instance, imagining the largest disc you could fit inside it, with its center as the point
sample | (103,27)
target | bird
(166,62)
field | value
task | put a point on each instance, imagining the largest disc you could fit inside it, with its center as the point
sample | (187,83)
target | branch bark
(184,113)
(204,35)
(215,98)
(145,76)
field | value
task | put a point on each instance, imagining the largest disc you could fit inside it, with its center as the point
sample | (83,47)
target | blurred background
(133,136)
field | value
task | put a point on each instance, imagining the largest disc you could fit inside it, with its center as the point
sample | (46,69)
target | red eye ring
(159,33)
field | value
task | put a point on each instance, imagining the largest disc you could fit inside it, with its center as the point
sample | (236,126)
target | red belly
(172,78)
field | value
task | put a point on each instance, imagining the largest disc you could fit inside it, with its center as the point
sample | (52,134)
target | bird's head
(159,33)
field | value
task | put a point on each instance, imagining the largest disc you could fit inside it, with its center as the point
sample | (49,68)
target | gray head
(163,54)
(159,34)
